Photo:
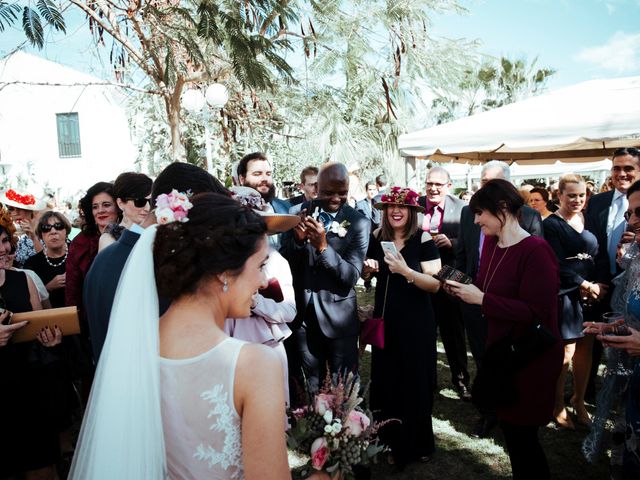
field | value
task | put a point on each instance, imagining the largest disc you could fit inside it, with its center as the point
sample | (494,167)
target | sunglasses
(628,213)
(139,202)
(58,226)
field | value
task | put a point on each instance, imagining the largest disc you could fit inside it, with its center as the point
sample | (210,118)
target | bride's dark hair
(220,236)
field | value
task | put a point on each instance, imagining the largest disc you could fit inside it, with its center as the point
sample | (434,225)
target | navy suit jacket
(328,279)
(467,254)
(450,226)
(100,287)
(366,208)
(596,217)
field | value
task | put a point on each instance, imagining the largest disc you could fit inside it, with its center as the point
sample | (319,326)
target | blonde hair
(569,178)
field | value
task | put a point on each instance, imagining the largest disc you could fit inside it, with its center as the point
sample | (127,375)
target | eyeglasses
(47,227)
(139,202)
(628,213)
(436,185)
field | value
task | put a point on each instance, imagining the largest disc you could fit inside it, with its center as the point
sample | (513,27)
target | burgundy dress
(524,289)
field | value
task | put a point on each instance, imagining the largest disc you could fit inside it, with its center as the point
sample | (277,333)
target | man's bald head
(333,186)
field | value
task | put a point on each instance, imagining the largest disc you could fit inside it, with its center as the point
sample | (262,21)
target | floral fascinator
(405,197)
(173,207)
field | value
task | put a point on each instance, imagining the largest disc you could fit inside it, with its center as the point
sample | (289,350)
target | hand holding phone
(389,248)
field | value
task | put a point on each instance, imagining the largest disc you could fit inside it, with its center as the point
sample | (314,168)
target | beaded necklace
(55,265)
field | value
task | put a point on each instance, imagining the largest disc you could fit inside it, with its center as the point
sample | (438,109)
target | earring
(225,286)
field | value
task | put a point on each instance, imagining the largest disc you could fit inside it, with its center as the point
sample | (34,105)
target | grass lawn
(461,456)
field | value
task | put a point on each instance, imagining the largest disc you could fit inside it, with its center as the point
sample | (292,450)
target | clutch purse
(66,318)
(449,273)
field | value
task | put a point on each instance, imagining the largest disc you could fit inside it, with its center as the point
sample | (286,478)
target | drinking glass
(618,361)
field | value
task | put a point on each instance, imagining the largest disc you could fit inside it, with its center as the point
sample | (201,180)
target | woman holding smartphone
(403,374)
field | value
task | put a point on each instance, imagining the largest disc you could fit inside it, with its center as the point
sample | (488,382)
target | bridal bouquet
(333,430)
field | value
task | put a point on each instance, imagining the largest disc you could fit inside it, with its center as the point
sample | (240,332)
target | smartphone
(389,247)
(314,209)
(449,273)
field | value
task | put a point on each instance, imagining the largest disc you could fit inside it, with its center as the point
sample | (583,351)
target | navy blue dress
(576,252)
(403,374)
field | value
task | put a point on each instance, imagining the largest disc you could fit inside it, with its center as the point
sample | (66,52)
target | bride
(175,397)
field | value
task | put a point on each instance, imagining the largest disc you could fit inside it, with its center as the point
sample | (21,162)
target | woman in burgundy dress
(517,285)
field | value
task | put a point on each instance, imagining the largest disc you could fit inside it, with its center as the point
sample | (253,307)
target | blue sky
(581,39)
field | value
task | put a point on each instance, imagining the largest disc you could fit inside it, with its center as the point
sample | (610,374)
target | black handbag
(494,386)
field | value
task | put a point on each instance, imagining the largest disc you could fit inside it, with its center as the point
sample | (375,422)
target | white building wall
(28,130)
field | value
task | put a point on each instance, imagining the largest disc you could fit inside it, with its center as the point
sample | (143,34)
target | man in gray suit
(326,254)
(102,279)
(442,218)
(468,252)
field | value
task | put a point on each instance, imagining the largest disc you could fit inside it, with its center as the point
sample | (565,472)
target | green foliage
(33,21)
(8,14)
(492,84)
(32,26)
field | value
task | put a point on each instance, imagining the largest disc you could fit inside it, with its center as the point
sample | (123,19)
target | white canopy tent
(581,123)
(471,173)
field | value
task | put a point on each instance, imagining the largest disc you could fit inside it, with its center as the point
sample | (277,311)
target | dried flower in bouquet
(333,430)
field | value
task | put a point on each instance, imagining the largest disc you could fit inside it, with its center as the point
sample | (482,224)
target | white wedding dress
(139,401)
(201,425)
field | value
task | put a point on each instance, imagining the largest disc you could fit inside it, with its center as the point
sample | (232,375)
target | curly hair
(86,202)
(220,236)
(6,225)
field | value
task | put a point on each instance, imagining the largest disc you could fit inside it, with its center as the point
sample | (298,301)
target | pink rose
(319,453)
(179,213)
(356,422)
(324,402)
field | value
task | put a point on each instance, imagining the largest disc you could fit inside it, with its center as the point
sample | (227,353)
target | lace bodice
(201,425)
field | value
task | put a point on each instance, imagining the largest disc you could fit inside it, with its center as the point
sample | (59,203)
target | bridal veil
(121,436)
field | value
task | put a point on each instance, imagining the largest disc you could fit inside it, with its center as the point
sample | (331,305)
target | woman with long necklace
(517,288)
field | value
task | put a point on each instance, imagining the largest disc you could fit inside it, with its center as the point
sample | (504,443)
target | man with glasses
(308,185)
(442,219)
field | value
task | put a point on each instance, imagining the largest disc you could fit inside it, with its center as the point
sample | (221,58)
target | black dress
(38,263)
(403,374)
(576,254)
(29,434)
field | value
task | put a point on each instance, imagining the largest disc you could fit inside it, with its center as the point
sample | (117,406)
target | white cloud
(621,53)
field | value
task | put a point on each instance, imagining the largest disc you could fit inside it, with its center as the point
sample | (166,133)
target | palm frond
(32,27)
(51,14)
(8,14)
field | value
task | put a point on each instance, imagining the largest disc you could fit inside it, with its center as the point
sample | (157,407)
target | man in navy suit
(102,279)
(604,217)
(468,251)
(605,212)
(255,171)
(442,219)
(326,252)
(366,205)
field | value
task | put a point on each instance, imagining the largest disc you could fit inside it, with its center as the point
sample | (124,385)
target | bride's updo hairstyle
(220,236)
(496,196)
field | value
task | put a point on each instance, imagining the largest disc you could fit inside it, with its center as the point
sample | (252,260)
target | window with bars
(68,135)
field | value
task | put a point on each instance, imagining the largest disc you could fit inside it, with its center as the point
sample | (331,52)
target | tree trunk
(172,105)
